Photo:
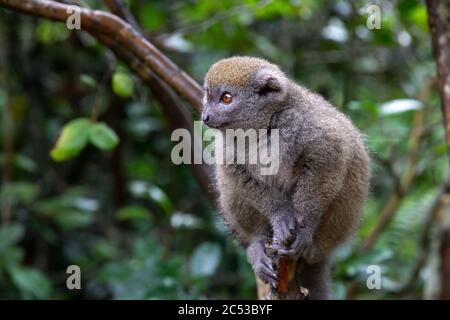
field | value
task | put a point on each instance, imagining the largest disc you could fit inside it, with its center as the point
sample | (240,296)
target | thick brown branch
(174,113)
(438,18)
(445,264)
(111,25)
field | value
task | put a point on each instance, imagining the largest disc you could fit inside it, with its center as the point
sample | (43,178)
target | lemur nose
(205,118)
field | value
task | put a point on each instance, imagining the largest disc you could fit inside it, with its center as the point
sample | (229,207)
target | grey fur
(315,200)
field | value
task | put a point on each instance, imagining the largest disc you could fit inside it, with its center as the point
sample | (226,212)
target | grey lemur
(314,201)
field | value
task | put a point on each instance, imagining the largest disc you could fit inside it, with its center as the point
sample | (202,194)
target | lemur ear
(267,80)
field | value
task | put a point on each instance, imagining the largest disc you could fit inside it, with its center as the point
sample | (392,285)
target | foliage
(85,149)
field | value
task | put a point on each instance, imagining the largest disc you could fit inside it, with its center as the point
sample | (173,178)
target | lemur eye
(226,98)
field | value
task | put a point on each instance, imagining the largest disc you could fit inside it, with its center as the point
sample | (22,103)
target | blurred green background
(140,227)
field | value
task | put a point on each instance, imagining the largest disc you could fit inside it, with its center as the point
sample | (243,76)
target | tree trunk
(439,21)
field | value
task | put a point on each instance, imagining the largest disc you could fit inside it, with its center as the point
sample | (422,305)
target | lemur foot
(290,239)
(261,263)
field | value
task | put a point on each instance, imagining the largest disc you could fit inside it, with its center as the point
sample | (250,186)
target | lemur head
(243,92)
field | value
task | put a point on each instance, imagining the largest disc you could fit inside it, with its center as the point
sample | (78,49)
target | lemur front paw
(261,263)
(290,238)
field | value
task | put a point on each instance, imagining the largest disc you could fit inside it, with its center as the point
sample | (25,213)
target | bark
(439,21)
(445,263)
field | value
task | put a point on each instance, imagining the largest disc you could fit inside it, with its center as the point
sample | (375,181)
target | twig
(288,288)
(284,269)
(220,16)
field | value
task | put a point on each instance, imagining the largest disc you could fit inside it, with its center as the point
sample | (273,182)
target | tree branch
(110,25)
(120,9)
(173,112)
(109,29)
(438,17)
(176,116)
(439,21)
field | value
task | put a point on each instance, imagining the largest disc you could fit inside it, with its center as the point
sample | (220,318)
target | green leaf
(11,257)
(72,139)
(103,249)
(185,220)
(50,32)
(18,192)
(103,137)
(31,282)
(152,16)
(419,16)
(441,149)
(205,259)
(399,106)
(20,162)
(159,196)
(132,213)
(2,99)
(73,219)
(88,80)
(122,84)
(10,234)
